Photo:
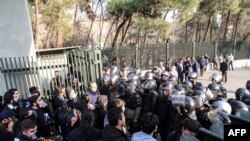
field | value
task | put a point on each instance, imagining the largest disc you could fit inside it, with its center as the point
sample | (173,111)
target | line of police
(159,93)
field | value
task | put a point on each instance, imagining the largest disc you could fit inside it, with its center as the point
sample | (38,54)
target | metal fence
(25,72)
(147,56)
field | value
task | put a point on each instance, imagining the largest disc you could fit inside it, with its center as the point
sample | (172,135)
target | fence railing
(147,56)
(25,72)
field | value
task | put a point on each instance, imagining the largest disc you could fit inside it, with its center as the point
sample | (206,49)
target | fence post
(167,51)
(136,57)
(215,48)
(193,49)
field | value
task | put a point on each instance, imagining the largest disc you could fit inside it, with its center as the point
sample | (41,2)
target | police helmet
(114,78)
(237,105)
(148,76)
(156,70)
(215,89)
(181,89)
(201,88)
(192,75)
(132,76)
(223,105)
(167,85)
(248,85)
(137,72)
(246,99)
(190,104)
(165,73)
(199,97)
(173,79)
(114,70)
(216,77)
(106,78)
(240,92)
(187,85)
(150,84)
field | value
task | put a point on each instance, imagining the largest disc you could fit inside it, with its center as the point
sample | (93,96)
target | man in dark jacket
(115,130)
(190,128)
(224,69)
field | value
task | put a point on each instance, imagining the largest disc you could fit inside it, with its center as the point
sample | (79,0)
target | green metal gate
(25,72)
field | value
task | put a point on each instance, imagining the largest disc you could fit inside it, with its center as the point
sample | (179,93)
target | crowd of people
(165,104)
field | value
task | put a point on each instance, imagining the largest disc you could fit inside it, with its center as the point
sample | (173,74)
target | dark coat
(77,134)
(110,133)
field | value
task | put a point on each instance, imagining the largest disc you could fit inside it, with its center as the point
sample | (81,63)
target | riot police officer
(165,110)
(149,97)
(104,89)
(133,106)
(217,78)
(116,89)
(188,87)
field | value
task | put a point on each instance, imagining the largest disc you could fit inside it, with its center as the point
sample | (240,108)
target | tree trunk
(244,39)
(226,26)
(186,35)
(90,16)
(109,33)
(211,34)
(75,15)
(36,42)
(59,33)
(197,31)
(200,32)
(126,30)
(236,25)
(114,43)
(208,27)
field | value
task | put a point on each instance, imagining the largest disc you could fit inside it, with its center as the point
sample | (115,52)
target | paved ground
(236,79)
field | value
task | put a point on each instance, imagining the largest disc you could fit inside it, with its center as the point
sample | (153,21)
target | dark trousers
(201,70)
(180,78)
(224,76)
(230,64)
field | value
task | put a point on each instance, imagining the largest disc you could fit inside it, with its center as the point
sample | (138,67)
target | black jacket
(22,137)
(133,100)
(77,134)
(149,100)
(110,133)
(223,66)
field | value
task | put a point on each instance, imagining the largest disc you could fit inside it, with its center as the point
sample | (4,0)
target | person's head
(173,68)
(85,98)
(57,74)
(60,91)
(34,91)
(79,109)
(248,85)
(11,97)
(5,118)
(103,101)
(116,117)
(165,75)
(29,127)
(131,86)
(149,122)
(70,93)
(166,88)
(106,80)
(93,86)
(161,63)
(190,127)
(36,101)
(192,77)
(116,103)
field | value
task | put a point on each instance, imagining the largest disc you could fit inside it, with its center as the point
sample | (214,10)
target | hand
(91,107)
(10,126)
(73,121)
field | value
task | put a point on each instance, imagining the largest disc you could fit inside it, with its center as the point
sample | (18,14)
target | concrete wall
(16,37)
